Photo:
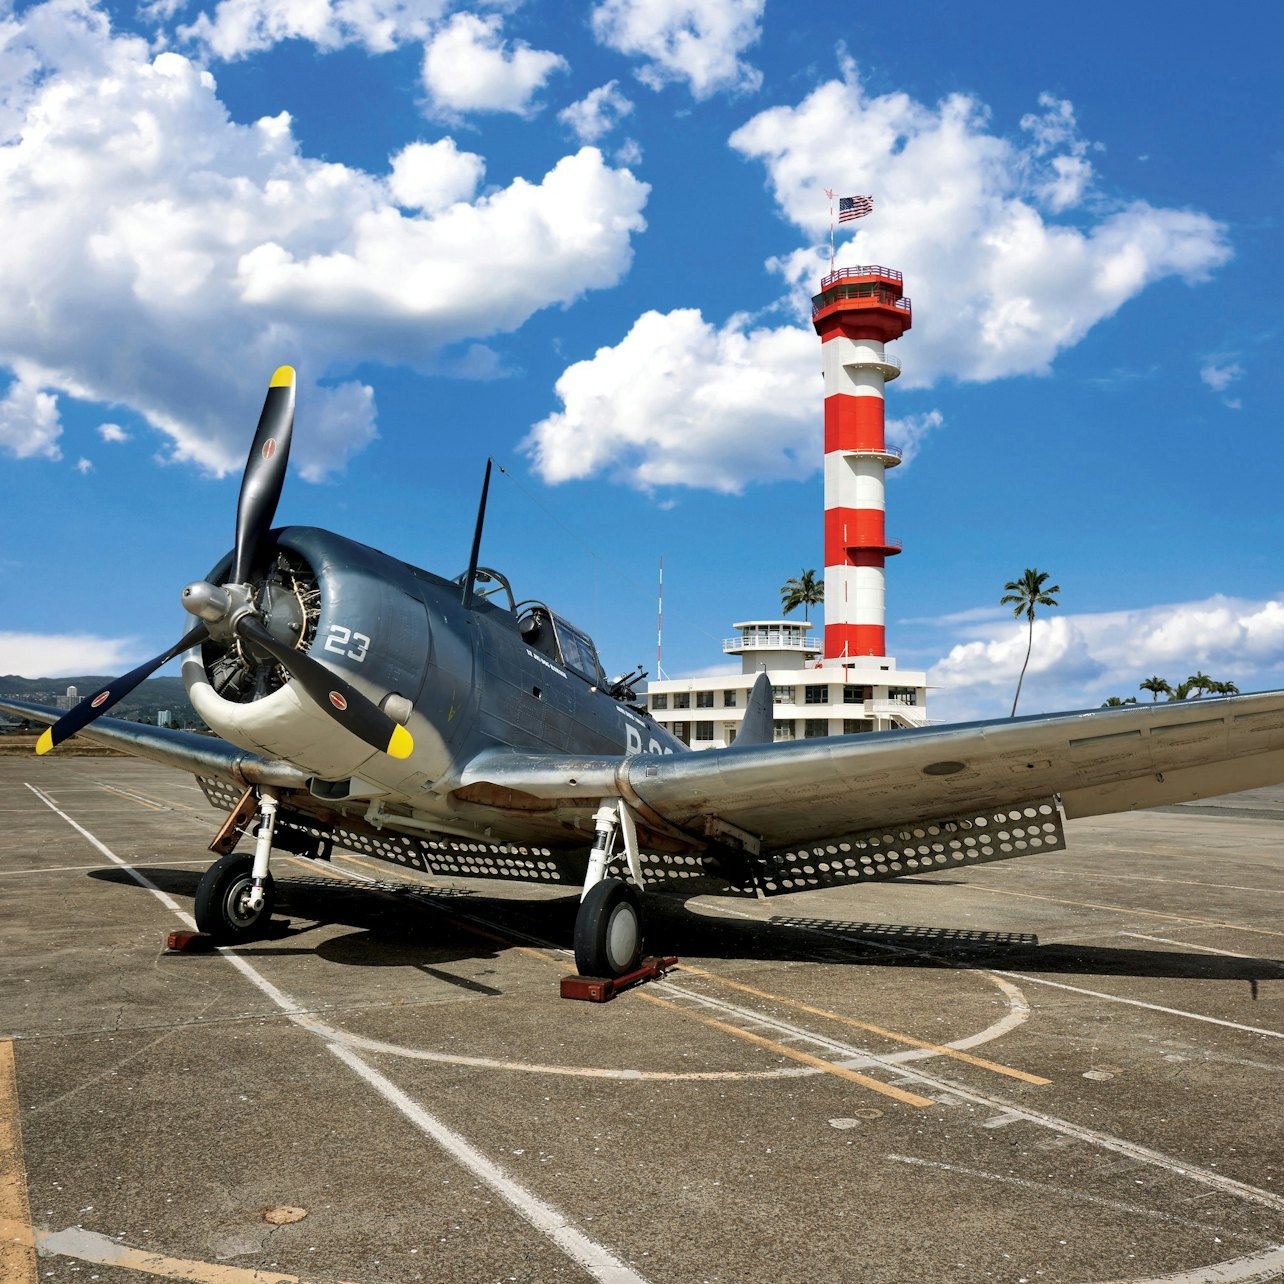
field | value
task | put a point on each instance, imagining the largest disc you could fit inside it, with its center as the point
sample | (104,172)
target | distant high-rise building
(162,717)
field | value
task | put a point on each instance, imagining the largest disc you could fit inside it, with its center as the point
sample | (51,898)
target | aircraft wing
(201,755)
(886,804)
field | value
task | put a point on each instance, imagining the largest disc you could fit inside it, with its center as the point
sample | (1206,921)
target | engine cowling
(354,609)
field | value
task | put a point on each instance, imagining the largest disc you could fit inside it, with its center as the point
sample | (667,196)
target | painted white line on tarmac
(1045,1188)
(72,869)
(1257,1268)
(947,1088)
(595,1258)
(1140,1003)
(1204,949)
(1265,1267)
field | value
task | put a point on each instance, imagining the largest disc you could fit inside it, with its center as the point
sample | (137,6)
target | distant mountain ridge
(140,705)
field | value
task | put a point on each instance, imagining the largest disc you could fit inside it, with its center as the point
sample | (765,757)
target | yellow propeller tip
(45,743)
(402,744)
(283,377)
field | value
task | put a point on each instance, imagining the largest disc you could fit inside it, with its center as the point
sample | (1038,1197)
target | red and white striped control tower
(858,310)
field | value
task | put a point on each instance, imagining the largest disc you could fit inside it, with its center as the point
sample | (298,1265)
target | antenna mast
(467,595)
(659,624)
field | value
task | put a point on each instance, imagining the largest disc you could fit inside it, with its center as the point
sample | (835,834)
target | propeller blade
(264,472)
(344,703)
(95,705)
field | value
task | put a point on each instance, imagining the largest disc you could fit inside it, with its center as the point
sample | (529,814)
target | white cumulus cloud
(237,28)
(1079,660)
(1220,374)
(160,256)
(597,113)
(433,176)
(30,424)
(468,66)
(42,655)
(112,433)
(999,285)
(667,403)
(681,402)
(698,42)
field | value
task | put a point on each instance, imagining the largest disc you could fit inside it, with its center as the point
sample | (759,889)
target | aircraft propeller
(231,609)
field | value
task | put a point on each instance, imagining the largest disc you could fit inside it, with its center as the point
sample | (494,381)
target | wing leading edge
(184,750)
(810,791)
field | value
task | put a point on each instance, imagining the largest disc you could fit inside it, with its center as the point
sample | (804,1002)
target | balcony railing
(894,451)
(871,269)
(897,707)
(770,642)
(887,543)
(884,298)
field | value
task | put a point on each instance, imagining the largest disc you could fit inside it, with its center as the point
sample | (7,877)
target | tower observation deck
(857,312)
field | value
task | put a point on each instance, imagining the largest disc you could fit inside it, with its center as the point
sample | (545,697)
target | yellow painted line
(806,1058)
(134,798)
(17,1239)
(865,1025)
(1128,909)
(909,1098)
(89,1246)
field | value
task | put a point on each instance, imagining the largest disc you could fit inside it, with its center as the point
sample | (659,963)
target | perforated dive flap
(915,849)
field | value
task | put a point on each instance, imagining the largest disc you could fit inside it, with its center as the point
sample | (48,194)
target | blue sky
(582,238)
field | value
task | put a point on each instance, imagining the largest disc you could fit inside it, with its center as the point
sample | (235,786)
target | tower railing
(894,451)
(884,298)
(871,269)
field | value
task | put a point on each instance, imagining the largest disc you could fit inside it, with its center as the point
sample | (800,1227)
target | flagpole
(831,230)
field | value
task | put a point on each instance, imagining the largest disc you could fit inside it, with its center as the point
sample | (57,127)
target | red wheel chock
(601,989)
(188,942)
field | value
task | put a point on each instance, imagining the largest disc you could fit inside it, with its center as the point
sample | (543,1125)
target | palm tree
(1023,596)
(1200,683)
(1224,688)
(1156,686)
(1116,703)
(1181,691)
(804,591)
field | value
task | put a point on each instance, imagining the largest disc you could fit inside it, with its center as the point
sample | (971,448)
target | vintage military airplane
(443,725)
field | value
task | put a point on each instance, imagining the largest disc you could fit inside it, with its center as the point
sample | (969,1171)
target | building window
(682,730)
(906,695)
(815,728)
(659,702)
(856,695)
(704,699)
(728,699)
(817,695)
(704,730)
(783,729)
(782,695)
(731,735)
(682,700)
(854,726)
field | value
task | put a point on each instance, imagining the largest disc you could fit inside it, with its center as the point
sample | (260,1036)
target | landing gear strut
(608,927)
(234,899)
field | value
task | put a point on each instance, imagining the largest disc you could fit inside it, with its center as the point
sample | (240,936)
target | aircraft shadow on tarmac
(400,925)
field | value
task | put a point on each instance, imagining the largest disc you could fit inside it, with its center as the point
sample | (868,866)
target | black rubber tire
(608,930)
(219,901)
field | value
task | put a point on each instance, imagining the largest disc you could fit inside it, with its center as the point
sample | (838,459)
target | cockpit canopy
(541,628)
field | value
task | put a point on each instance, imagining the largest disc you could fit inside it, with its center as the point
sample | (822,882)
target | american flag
(850,207)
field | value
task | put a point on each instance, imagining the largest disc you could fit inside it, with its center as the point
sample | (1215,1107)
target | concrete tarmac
(1060,1068)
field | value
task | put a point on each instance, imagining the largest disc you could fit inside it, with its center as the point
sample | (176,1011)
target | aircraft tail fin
(757,727)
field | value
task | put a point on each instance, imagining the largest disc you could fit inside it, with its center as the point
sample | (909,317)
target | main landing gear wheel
(221,901)
(608,930)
